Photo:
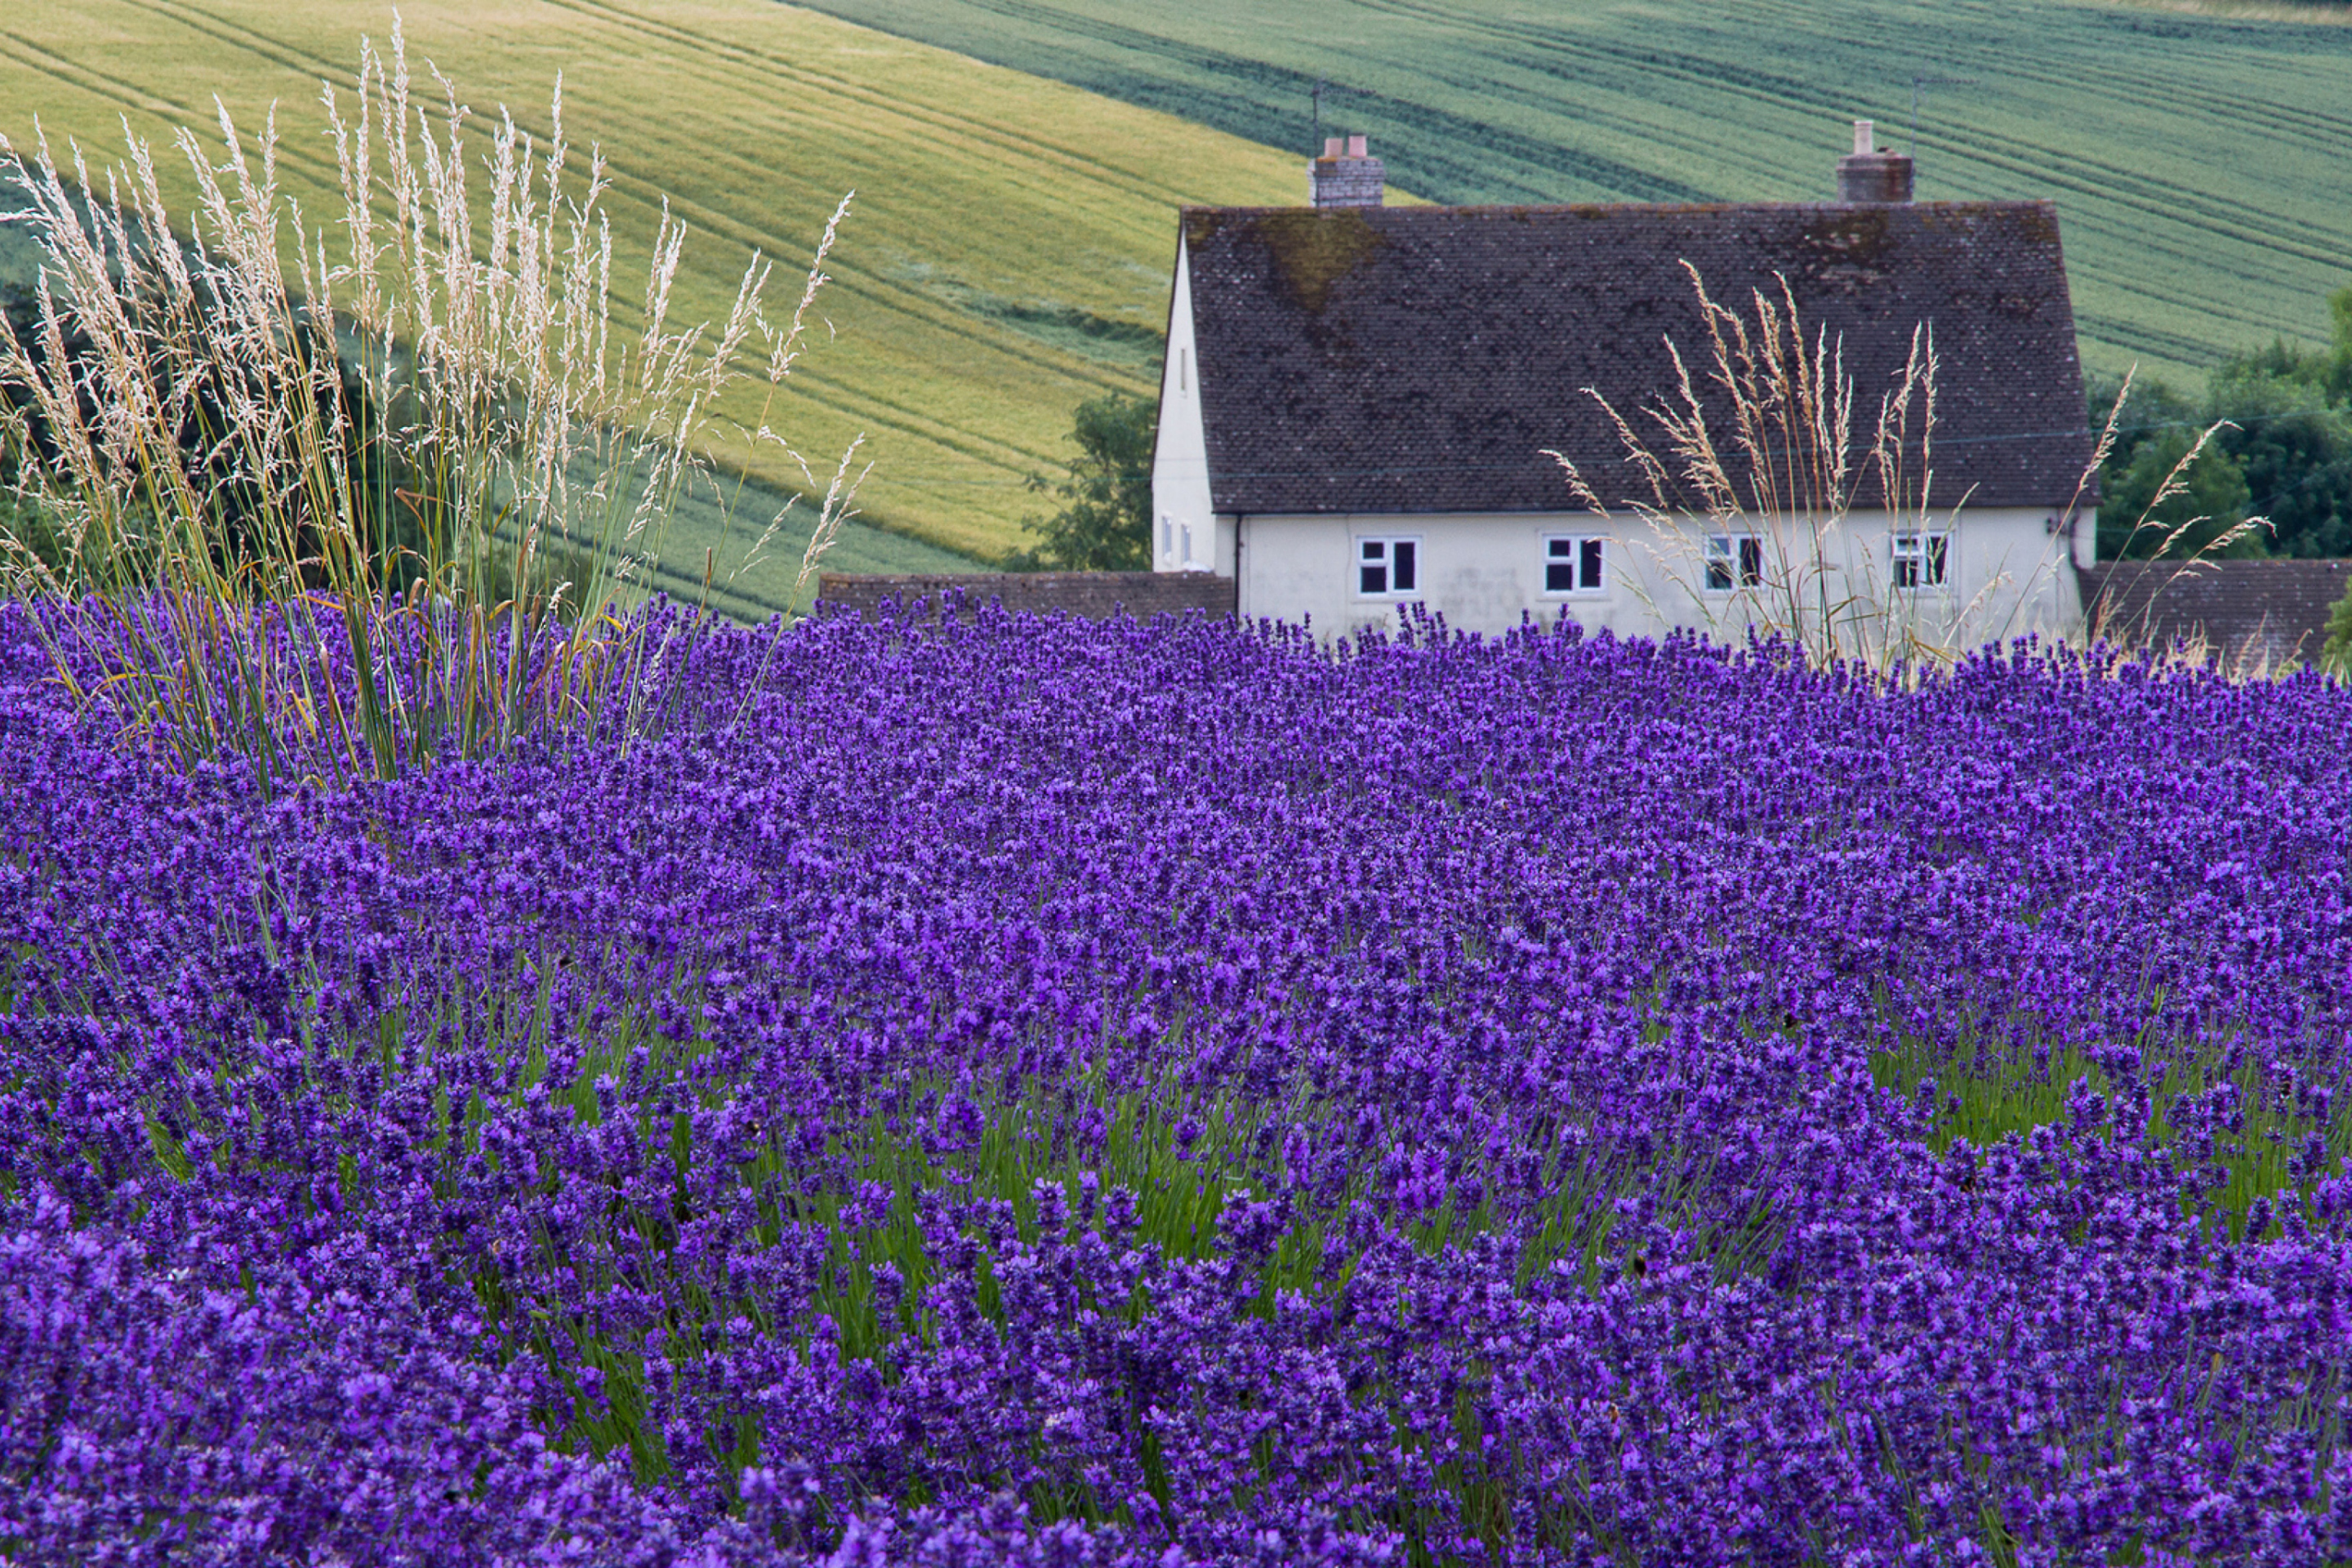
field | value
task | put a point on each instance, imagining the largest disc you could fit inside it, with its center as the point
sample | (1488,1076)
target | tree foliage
(1106,524)
(2158,430)
(2336,652)
(2292,441)
(2284,452)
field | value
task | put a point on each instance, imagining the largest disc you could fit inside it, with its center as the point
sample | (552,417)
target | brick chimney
(1869,176)
(1346,175)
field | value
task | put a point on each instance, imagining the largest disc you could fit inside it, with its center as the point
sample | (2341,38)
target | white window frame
(1386,544)
(1921,559)
(1583,550)
(1167,539)
(1740,558)
(1184,536)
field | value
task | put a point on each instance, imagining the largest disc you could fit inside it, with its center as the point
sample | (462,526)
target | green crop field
(716,524)
(2202,164)
(1006,256)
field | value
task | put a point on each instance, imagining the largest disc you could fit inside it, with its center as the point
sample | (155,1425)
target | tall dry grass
(2132,627)
(1777,458)
(348,497)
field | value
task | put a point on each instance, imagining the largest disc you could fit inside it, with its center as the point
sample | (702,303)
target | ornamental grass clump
(996,1089)
(350,503)
(1777,463)
(1754,452)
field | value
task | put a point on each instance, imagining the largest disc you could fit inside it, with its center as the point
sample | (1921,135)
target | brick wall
(1095,595)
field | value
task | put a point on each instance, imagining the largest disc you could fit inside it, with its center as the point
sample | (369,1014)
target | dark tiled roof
(2272,611)
(1420,359)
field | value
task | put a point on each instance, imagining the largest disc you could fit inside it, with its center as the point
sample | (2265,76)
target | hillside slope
(2199,161)
(1006,256)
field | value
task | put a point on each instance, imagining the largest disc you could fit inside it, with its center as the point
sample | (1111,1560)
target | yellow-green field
(1006,256)
(2197,160)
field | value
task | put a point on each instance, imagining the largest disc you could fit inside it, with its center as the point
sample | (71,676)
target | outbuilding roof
(1421,359)
(2269,613)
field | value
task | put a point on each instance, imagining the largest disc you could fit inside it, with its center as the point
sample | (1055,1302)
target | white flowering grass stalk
(2134,629)
(1785,472)
(240,442)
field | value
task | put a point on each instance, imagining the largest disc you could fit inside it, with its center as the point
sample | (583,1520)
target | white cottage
(1359,402)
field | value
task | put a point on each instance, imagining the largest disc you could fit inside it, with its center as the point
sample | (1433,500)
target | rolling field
(2199,161)
(1005,258)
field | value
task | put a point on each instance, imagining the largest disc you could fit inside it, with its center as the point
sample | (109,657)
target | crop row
(2192,232)
(749,121)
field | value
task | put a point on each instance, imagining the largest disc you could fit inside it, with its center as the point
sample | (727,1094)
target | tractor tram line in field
(2107,106)
(859,405)
(962,376)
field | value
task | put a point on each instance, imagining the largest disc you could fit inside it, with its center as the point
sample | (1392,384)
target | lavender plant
(1013,1090)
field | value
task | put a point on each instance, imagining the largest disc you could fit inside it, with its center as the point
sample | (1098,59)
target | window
(1920,559)
(1167,537)
(1183,369)
(1572,564)
(1386,566)
(1188,544)
(1734,561)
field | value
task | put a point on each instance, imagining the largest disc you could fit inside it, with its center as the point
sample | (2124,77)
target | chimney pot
(1346,175)
(1866,176)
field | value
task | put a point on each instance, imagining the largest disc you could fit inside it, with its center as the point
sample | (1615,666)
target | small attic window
(1920,559)
(1734,561)
(1572,563)
(1183,369)
(1386,567)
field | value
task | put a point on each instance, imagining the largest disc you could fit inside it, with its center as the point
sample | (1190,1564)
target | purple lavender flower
(1010,1090)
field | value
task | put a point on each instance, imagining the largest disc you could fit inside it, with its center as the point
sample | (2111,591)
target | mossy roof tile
(1421,359)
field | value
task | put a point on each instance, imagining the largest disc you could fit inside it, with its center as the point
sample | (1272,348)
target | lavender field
(1028,1091)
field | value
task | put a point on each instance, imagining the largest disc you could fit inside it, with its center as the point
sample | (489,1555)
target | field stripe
(955,465)
(2199,163)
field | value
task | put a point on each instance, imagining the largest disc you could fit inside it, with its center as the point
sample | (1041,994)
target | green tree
(2296,452)
(2153,409)
(2335,653)
(1106,526)
(2285,414)
(2133,523)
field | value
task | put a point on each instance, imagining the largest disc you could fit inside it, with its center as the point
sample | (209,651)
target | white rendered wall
(1180,457)
(2008,575)
(2086,537)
